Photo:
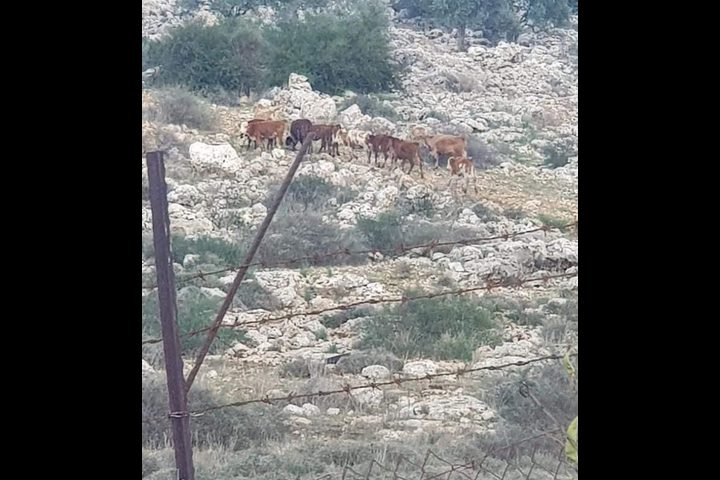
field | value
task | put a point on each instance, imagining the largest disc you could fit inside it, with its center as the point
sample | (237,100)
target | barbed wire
(375,385)
(513,282)
(475,466)
(396,250)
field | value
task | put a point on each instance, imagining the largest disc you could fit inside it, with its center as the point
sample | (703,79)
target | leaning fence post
(177,399)
(212,333)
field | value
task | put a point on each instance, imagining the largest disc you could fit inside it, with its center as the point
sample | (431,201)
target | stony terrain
(518,99)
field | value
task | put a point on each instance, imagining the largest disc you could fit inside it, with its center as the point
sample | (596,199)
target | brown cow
(379,144)
(266,130)
(462,166)
(450,145)
(243,130)
(298,131)
(407,152)
(328,136)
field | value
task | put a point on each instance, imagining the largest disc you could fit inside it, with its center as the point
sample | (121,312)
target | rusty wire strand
(402,299)
(395,381)
(397,250)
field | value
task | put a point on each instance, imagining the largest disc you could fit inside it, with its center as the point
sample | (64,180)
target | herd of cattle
(270,133)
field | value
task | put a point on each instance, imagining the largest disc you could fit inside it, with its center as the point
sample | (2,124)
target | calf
(446,145)
(243,130)
(266,130)
(462,166)
(378,144)
(298,131)
(353,139)
(328,136)
(407,152)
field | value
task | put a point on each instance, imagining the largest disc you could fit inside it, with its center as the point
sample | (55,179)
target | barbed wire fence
(375,469)
(397,251)
(488,286)
(485,464)
(435,466)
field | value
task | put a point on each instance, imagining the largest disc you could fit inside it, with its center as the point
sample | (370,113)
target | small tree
(227,56)
(545,13)
(336,52)
(498,19)
(495,17)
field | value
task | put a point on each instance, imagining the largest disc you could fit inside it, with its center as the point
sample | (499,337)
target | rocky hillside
(519,103)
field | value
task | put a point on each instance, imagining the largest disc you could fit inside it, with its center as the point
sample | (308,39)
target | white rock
(310,410)
(420,368)
(368,396)
(293,410)
(223,157)
(375,372)
(147,369)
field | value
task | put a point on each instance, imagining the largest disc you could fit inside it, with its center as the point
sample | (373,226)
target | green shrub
(514,213)
(356,361)
(553,222)
(338,319)
(439,115)
(336,52)
(546,13)
(210,249)
(196,310)
(390,231)
(292,236)
(233,428)
(439,328)
(251,295)
(228,56)
(422,205)
(179,106)
(483,212)
(552,388)
(555,157)
(483,156)
(382,232)
(370,106)
(307,191)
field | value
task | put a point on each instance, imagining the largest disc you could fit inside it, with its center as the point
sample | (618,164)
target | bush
(439,328)
(370,106)
(556,157)
(552,388)
(336,52)
(356,361)
(514,213)
(310,191)
(338,319)
(483,156)
(546,13)
(390,231)
(292,236)
(483,212)
(439,115)
(211,250)
(421,205)
(179,106)
(226,56)
(383,232)
(251,295)
(460,82)
(553,222)
(196,310)
(233,428)
(296,368)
